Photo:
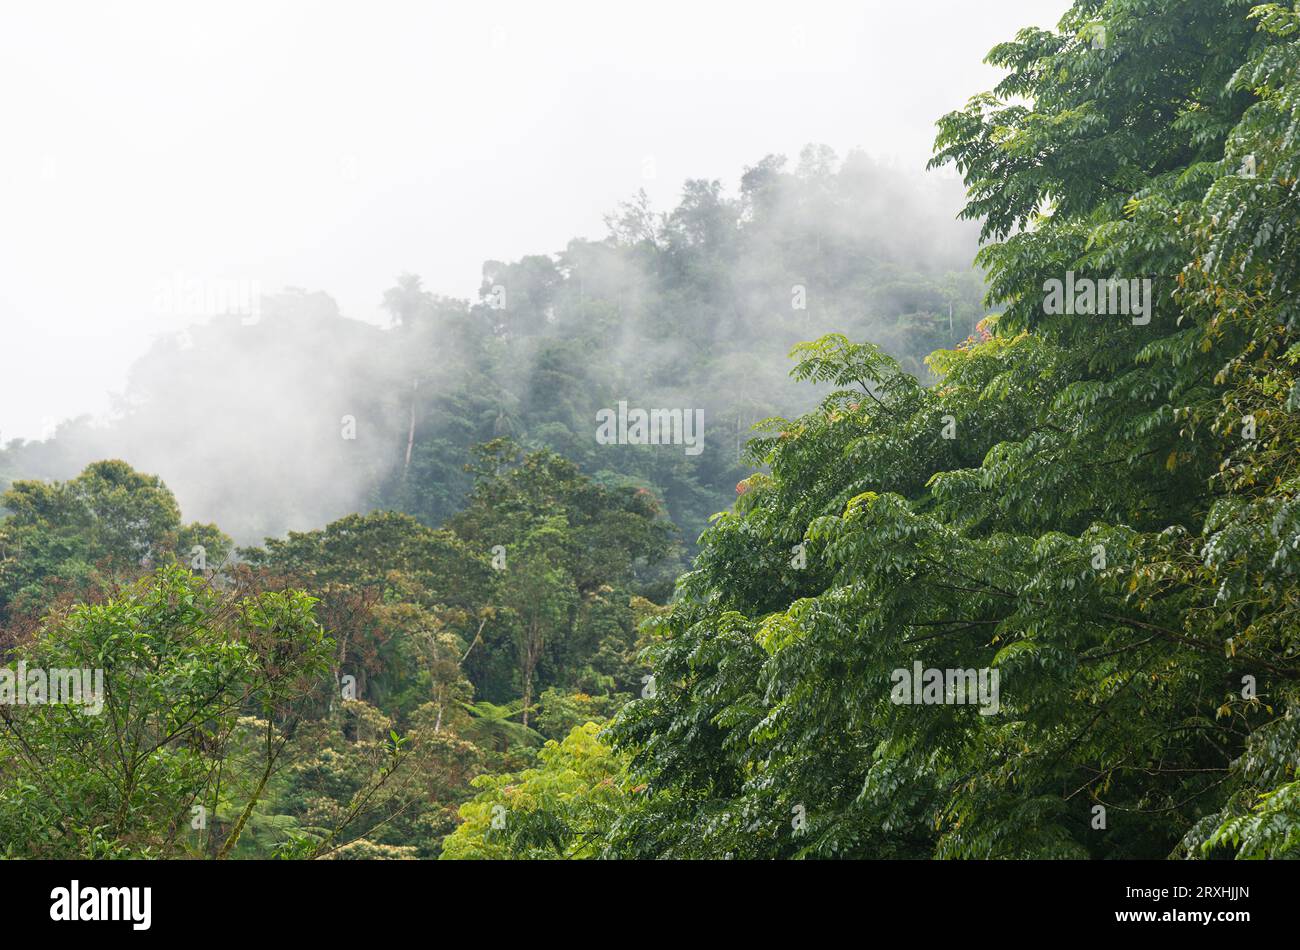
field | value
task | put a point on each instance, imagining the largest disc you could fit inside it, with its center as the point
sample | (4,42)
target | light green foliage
(560,809)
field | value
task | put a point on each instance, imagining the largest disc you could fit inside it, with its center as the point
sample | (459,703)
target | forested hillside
(1010,578)
(698,306)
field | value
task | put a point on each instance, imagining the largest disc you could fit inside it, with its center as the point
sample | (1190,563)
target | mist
(287,413)
(309,145)
(299,263)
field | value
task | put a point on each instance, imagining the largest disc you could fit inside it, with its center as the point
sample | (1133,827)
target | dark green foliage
(1101,509)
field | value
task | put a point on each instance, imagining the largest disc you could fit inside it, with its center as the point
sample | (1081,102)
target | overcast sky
(332,145)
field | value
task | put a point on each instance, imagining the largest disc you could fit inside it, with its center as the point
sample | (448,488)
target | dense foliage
(1100,508)
(1091,511)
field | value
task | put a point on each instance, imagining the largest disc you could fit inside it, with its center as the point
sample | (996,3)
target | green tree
(1080,503)
(560,809)
(105,526)
(179,666)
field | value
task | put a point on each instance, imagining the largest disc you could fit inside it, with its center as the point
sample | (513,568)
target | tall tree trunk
(233,839)
(410,434)
(532,653)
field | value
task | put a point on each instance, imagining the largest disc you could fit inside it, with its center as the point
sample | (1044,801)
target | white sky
(333,145)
